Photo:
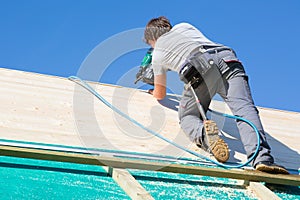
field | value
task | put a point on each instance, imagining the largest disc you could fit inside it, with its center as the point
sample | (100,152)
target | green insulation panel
(34,179)
(285,191)
(163,185)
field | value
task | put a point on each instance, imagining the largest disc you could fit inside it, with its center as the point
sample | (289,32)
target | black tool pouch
(195,68)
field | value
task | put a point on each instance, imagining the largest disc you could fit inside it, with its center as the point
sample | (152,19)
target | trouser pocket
(225,58)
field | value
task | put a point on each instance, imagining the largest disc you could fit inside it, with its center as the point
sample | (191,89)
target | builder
(209,68)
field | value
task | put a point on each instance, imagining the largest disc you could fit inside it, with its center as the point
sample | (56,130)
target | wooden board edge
(261,190)
(124,163)
(128,183)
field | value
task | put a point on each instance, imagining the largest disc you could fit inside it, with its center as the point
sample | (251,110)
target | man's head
(155,28)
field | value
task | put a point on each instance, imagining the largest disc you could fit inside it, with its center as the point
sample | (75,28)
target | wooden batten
(114,162)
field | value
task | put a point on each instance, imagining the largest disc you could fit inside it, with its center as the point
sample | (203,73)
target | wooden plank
(129,184)
(40,108)
(146,165)
(261,191)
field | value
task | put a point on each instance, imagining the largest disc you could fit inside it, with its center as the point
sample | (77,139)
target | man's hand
(150,91)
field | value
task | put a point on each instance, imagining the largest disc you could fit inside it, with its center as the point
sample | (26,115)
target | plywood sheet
(49,109)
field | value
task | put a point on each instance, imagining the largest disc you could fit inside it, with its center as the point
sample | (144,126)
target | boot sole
(217,146)
(271,169)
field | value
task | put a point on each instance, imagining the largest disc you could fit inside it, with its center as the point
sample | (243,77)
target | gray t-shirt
(172,48)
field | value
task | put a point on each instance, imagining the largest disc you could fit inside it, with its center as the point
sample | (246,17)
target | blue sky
(56,37)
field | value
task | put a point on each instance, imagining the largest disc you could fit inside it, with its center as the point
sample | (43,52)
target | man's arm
(159,91)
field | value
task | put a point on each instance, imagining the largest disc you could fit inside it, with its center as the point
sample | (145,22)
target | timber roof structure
(51,118)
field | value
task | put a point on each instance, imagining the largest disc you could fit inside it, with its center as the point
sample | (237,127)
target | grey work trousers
(236,93)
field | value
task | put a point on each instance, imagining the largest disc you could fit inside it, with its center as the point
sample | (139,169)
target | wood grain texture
(49,109)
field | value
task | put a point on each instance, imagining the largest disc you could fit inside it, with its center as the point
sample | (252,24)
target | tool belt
(200,62)
(195,67)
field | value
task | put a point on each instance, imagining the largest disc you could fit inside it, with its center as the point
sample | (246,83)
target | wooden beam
(129,184)
(123,163)
(261,191)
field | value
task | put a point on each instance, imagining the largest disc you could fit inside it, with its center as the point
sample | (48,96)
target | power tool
(145,73)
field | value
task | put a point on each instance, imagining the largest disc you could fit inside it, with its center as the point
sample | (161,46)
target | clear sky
(57,36)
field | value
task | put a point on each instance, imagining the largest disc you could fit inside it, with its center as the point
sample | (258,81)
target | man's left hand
(150,91)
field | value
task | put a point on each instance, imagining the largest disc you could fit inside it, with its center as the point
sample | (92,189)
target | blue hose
(96,94)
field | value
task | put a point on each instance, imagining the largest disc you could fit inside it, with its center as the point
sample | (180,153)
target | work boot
(269,167)
(212,143)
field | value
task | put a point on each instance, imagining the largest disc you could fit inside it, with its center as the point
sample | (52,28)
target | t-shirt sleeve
(157,63)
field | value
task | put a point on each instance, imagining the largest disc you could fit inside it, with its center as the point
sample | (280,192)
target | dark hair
(156,27)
